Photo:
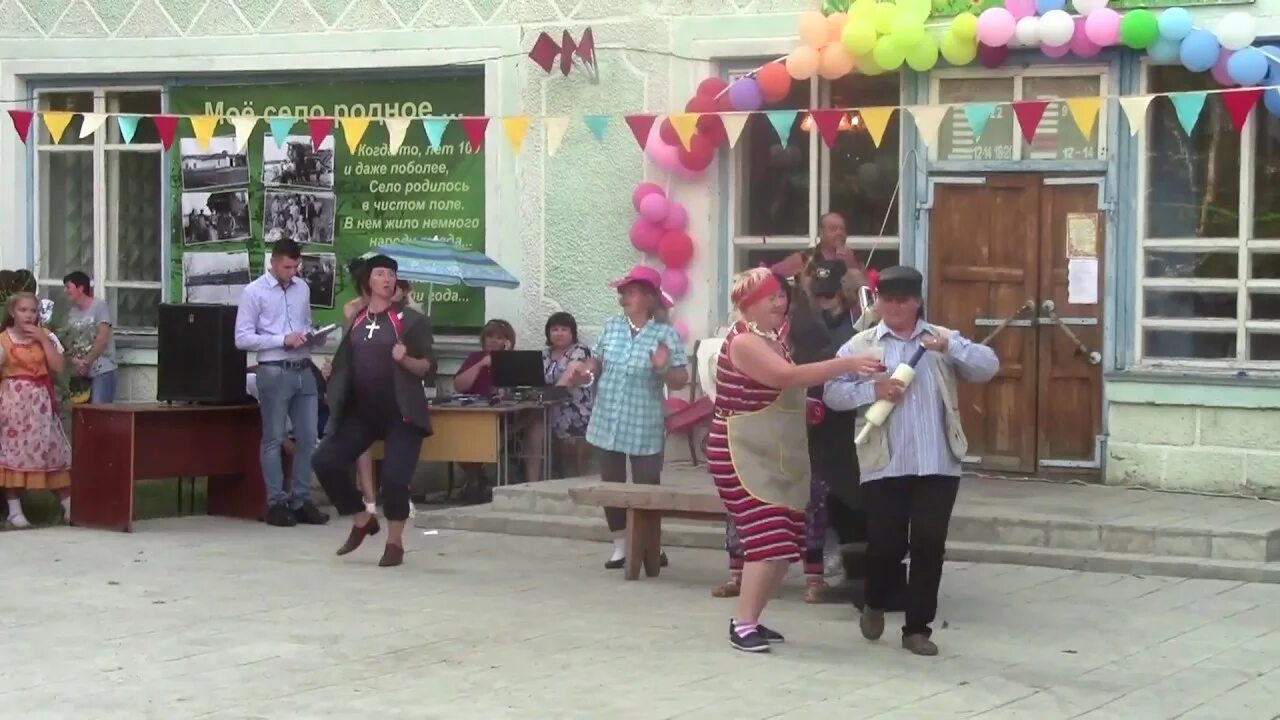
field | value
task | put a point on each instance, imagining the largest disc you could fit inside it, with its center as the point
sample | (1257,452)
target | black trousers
(908,513)
(338,452)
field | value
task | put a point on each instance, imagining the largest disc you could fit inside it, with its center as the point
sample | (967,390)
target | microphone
(880,409)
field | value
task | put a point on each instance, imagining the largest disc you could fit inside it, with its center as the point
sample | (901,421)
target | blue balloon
(1044,6)
(1174,23)
(1272,53)
(1271,99)
(1199,50)
(1164,51)
(1247,67)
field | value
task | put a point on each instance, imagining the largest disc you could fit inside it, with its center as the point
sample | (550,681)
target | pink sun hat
(647,275)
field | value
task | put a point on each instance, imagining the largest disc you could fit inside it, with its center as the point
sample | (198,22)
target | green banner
(230,205)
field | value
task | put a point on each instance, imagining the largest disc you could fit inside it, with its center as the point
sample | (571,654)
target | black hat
(826,276)
(381,261)
(900,281)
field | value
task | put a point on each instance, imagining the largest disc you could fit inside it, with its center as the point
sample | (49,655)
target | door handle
(1049,309)
(1026,307)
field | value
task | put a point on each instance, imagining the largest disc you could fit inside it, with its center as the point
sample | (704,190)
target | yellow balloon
(862,9)
(867,65)
(965,26)
(958,51)
(906,32)
(923,55)
(917,10)
(859,36)
(887,54)
(883,15)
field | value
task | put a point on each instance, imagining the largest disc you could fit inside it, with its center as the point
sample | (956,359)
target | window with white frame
(1209,271)
(777,194)
(99,202)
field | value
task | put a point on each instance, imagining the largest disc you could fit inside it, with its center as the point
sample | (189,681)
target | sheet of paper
(1082,281)
(1082,235)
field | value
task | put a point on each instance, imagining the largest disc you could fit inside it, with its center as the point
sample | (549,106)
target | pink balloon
(644,188)
(646,235)
(1080,43)
(1020,8)
(663,155)
(996,26)
(1056,51)
(1103,27)
(677,216)
(675,282)
(682,330)
(993,56)
(653,207)
(1219,69)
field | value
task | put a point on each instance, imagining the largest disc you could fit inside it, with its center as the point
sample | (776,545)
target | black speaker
(197,360)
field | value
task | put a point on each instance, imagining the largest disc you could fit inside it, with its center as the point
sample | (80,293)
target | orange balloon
(835,26)
(775,82)
(836,62)
(803,62)
(813,29)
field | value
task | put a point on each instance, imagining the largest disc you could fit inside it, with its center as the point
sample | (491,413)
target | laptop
(518,368)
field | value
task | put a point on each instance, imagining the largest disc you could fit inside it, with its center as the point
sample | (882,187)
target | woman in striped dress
(753,367)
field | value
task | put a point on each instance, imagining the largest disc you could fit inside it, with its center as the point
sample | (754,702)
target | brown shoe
(919,644)
(392,555)
(817,593)
(358,534)
(730,589)
(871,623)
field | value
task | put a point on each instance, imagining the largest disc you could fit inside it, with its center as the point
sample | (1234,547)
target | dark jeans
(338,452)
(910,511)
(645,470)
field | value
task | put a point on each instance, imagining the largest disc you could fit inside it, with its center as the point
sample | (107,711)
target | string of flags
(1188,107)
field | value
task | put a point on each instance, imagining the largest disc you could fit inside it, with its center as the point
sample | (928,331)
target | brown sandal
(816,593)
(728,590)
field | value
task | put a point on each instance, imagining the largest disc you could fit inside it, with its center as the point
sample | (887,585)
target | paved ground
(204,618)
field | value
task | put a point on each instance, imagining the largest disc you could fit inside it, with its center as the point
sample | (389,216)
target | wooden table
(114,446)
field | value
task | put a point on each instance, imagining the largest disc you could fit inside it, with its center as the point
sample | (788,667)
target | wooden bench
(646,506)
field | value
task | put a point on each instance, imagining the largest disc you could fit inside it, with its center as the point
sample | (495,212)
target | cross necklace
(372,326)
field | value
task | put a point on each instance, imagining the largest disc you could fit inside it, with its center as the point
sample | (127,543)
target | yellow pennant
(353,131)
(57,123)
(1085,112)
(516,128)
(685,124)
(203,127)
(877,119)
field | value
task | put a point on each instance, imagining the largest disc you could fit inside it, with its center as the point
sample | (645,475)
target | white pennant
(244,125)
(396,128)
(1135,111)
(556,128)
(928,118)
(90,122)
(733,123)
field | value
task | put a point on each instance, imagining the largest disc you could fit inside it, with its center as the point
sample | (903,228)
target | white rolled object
(880,409)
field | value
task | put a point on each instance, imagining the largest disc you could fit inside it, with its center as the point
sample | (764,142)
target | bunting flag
(928,120)
(396,129)
(434,127)
(978,114)
(556,128)
(57,123)
(353,130)
(474,127)
(90,122)
(733,123)
(685,124)
(640,126)
(22,122)
(828,122)
(128,125)
(281,126)
(1135,111)
(1029,113)
(202,126)
(596,124)
(876,120)
(166,128)
(515,128)
(1188,106)
(782,122)
(1084,111)
(244,125)
(1239,104)
(319,129)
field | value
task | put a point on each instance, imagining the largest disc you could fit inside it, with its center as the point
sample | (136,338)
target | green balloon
(924,55)
(965,26)
(867,65)
(906,31)
(858,36)
(957,51)
(883,14)
(887,54)
(917,10)
(1139,28)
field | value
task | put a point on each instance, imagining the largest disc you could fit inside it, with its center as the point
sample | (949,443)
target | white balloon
(1237,31)
(1056,28)
(1084,7)
(1027,31)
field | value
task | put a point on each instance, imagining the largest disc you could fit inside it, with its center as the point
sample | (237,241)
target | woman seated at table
(475,377)
(568,421)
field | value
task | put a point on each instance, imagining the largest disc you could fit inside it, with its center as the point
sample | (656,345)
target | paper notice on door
(1082,281)
(1082,235)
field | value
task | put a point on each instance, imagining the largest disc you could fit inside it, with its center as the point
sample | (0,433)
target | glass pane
(955,137)
(1199,345)
(1058,137)
(1264,266)
(1193,181)
(1173,264)
(1264,346)
(134,215)
(134,103)
(773,196)
(65,197)
(750,258)
(134,308)
(76,102)
(1266,176)
(1264,306)
(862,177)
(880,259)
(1189,304)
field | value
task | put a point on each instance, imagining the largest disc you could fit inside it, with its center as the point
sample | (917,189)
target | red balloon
(774,82)
(712,87)
(709,124)
(992,56)
(701,104)
(699,155)
(668,133)
(675,249)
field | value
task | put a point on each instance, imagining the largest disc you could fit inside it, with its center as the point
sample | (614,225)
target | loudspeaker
(197,360)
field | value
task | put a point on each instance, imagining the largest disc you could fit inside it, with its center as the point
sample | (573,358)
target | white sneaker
(19,522)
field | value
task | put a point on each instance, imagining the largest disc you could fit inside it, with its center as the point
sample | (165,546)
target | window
(1210,269)
(779,193)
(99,203)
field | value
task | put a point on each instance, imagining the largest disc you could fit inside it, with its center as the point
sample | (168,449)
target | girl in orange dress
(34,452)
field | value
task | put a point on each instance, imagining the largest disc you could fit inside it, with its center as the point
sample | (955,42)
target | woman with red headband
(760,401)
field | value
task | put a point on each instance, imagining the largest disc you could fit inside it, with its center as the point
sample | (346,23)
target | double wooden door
(1003,250)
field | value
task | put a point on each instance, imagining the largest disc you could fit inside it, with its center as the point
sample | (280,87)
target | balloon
(1174,23)
(835,26)
(1046,6)
(882,17)
(1056,28)
(699,155)
(802,63)
(1163,51)
(1080,43)
(644,188)
(677,216)
(682,329)
(1139,29)
(744,95)
(1056,51)
(662,154)
(1237,31)
(675,282)
(1271,52)
(1103,27)
(711,87)
(813,29)
(858,37)
(1199,50)
(958,52)
(774,82)
(887,54)
(1084,7)
(836,62)
(924,55)
(675,249)
(1020,8)
(906,32)
(1219,69)
(916,10)
(645,235)
(867,65)
(1271,99)
(711,129)
(995,27)
(965,26)
(1248,67)
(702,104)
(993,56)
(862,9)
(668,133)
(653,207)
(1027,32)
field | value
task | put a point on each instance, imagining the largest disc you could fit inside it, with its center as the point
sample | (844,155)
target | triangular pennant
(166,128)
(474,127)
(556,128)
(782,122)
(1084,111)
(1187,106)
(22,122)
(435,127)
(128,125)
(1135,111)
(596,124)
(928,119)
(1029,113)
(202,126)
(828,122)
(319,129)
(396,128)
(90,122)
(876,120)
(280,128)
(353,130)
(733,123)
(640,126)
(685,124)
(978,114)
(1239,103)
(57,123)
(515,128)
(244,125)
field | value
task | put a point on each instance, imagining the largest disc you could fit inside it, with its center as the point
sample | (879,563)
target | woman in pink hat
(638,354)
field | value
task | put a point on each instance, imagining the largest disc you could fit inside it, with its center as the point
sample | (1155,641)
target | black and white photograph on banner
(319,270)
(211,217)
(218,166)
(297,164)
(305,218)
(216,278)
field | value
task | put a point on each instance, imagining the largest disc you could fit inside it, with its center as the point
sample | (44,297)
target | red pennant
(22,122)
(567,47)
(640,126)
(1029,114)
(474,127)
(828,122)
(166,127)
(1239,103)
(319,127)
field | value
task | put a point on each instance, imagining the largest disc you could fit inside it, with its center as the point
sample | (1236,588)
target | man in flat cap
(911,465)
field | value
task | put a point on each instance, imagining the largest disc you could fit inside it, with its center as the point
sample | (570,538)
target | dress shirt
(268,312)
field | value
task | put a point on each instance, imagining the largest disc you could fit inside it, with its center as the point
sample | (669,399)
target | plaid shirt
(627,416)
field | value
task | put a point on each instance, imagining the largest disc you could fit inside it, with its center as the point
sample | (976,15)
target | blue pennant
(280,128)
(128,126)
(782,122)
(1188,106)
(435,127)
(978,114)
(597,124)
